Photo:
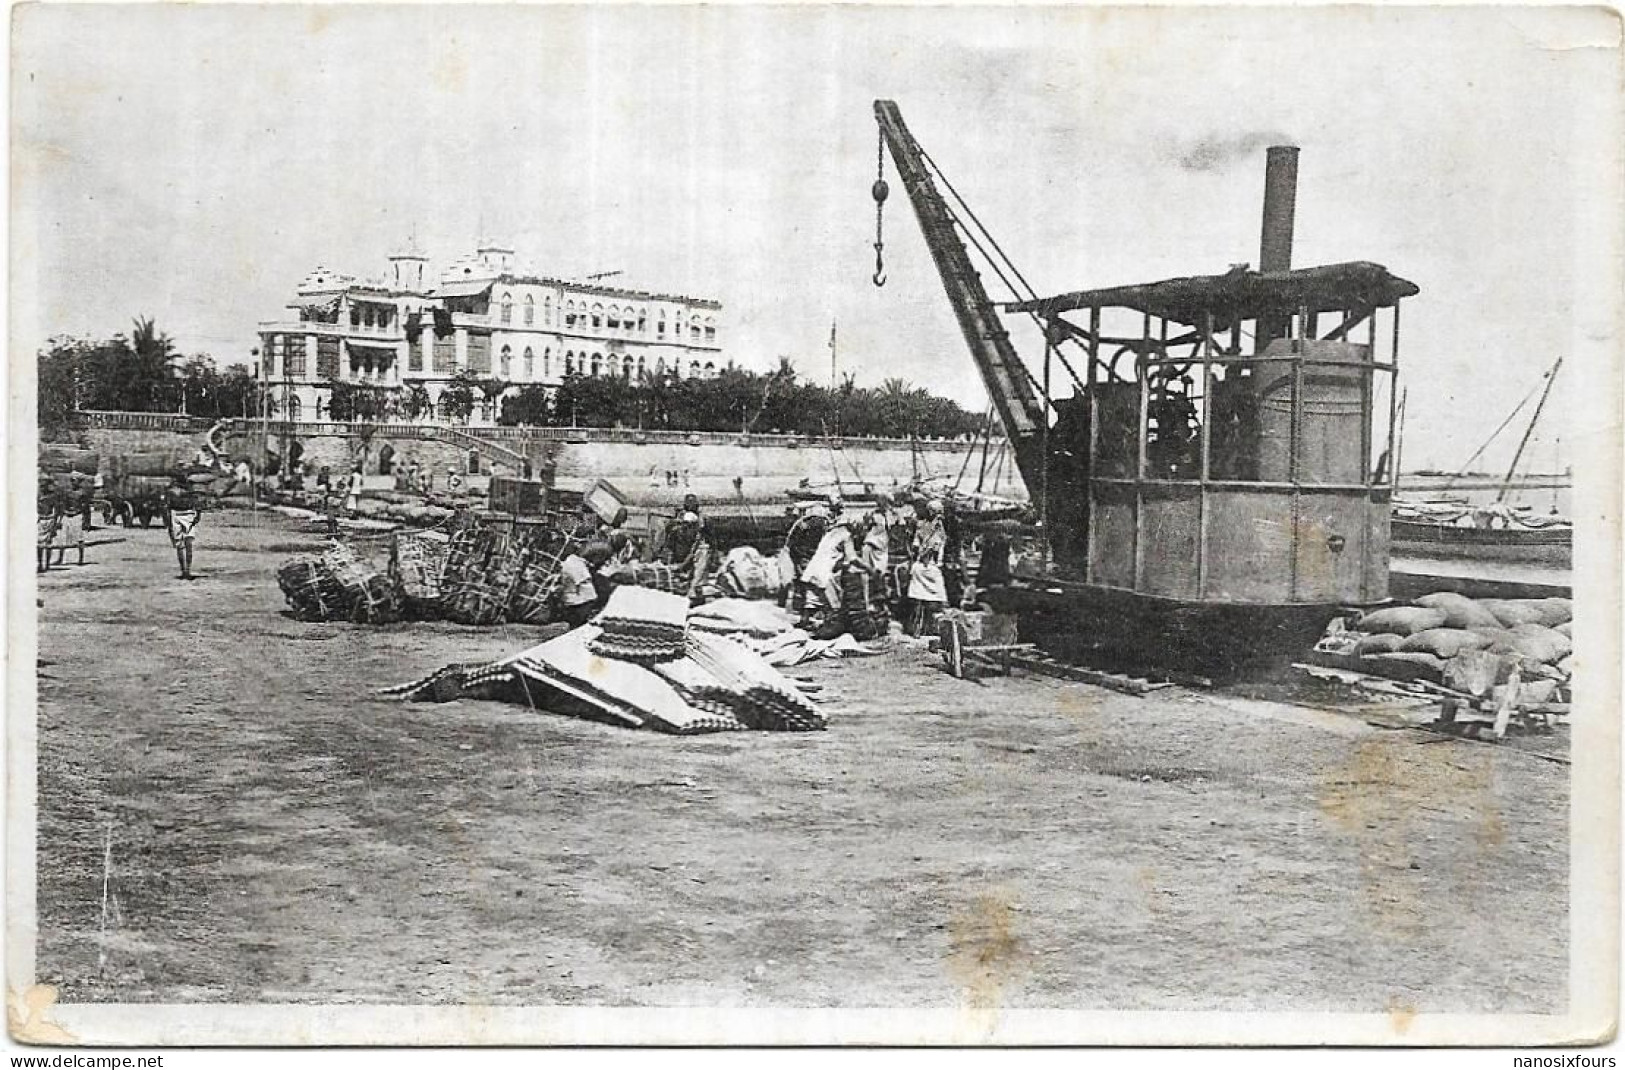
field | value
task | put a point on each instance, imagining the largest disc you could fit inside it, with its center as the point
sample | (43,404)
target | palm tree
(148,377)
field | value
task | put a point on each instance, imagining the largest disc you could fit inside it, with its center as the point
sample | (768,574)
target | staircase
(490,450)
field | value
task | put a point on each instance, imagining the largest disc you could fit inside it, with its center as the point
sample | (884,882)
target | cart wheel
(954,638)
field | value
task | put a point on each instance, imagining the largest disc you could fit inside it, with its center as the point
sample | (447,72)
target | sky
(192,163)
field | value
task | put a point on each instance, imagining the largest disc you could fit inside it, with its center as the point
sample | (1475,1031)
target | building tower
(409,268)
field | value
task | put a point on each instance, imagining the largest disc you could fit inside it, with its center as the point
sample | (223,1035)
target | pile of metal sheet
(765,697)
(641,624)
(713,685)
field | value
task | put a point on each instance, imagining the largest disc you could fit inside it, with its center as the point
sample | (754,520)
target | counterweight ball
(880,191)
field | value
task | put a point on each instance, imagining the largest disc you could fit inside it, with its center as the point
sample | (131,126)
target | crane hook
(880,191)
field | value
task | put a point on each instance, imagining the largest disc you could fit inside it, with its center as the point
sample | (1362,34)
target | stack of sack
(712,685)
(642,624)
(1447,635)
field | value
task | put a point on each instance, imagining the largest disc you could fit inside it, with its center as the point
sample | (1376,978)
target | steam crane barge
(1214,487)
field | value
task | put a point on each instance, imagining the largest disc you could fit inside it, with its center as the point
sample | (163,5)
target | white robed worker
(821,578)
(927,587)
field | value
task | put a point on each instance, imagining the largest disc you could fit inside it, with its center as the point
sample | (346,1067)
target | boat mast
(1551,377)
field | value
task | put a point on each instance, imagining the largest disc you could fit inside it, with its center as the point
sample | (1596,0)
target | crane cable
(880,191)
(1031,294)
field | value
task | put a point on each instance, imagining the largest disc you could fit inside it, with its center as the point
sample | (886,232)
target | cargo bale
(1514,611)
(1444,642)
(1459,610)
(1557,611)
(1382,643)
(1401,620)
(1410,665)
(1537,643)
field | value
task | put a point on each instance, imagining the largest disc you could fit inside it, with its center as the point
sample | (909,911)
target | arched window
(710,370)
(507,362)
(597,364)
(693,369)
(597,316)
(626,368)
(570,314)
(710,329)
(547,363)
(547,310)
(694,329)
(507,308)
(570,362)
(530,365)
(530,310)
(643,321)
(612,318)
(293,407)
(640,369)
(660,326)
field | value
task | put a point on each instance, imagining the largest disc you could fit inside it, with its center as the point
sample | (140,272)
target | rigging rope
(1493,435)
(1030,294)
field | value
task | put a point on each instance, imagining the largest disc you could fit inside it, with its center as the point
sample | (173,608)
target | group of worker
(837,562)
(898,560)
(600,546)
(63,515)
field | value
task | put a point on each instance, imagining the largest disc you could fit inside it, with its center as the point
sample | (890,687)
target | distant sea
(1536,491)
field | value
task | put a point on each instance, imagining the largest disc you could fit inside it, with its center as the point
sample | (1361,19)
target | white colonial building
(412,332)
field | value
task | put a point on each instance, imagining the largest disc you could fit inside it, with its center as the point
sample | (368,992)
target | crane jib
(1007,380)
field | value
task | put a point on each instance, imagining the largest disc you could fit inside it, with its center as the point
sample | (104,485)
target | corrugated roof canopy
(1242,294)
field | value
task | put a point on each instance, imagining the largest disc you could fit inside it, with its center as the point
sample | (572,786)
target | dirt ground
(279,834)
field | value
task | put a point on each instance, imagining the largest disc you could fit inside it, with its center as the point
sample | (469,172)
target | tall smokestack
(1280,204)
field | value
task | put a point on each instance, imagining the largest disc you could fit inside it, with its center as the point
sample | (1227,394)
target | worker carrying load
(822,578)
(800,543)
(685,546)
